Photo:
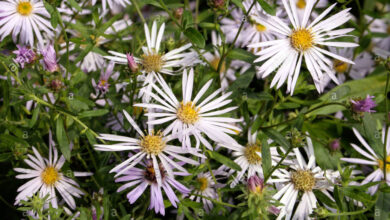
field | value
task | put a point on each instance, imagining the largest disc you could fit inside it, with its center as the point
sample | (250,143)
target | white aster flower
(302,179)
(190,118)
(372,159)
(206,187)
(152,145)
(248,157)
(47,178)
(154,61)
(303,40)
(26,18)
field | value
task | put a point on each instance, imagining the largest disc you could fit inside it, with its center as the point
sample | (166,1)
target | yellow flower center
(381,165)
(303,180)
(24,8)
(152,62)
(301,4)
(261,28)
(153,143)
(203,183)
(340,66)
(301,39)
(215,62)
(50,175)
(251,155)
(188,113)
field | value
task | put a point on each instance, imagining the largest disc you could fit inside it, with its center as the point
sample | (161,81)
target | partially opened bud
(255,184)
(131,62)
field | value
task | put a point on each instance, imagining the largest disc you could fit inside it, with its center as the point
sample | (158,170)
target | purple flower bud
(24,55)
(255,184)
(131,62)
(49,58)
(364,105)
(335,145)
(104,76)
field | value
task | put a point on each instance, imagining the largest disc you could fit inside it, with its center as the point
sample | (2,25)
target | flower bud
(177,13)
(255,184)
(49,61)
(334,145)
(131,62)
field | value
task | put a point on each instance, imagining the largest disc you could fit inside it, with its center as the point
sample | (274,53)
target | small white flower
(154,61)
(302,179)
(26,18)
(190,117)
(303,40)
(47,178)
(249,158)
(206,187)
(152,145)
(372,159)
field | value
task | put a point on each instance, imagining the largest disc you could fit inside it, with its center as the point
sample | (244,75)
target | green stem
(212,175)
(347,213)
(235,38)
(278,164)
(135,3)
(215,201)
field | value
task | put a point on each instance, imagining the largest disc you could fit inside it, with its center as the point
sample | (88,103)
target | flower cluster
(248,109)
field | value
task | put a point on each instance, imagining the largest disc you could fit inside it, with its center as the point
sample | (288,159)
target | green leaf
(224,160)
(93,113)
(62,138)
(267,8)
(371,134)
(195,37)
(34,117)
(382,207)
(265,157)
(277,137)
(243,81)
(241,54)
(351,89)
(75,5)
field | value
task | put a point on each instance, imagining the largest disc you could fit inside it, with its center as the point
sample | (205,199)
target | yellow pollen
(152,62)
(24,8)
(340,66)
(103,82)
(251,155)
(215,62)
(153,143)
(261,28)
(50,175)
(301,4)
(301,39)
(303,180)
(203,183)
(380,164)
(188,113)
